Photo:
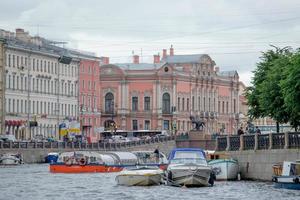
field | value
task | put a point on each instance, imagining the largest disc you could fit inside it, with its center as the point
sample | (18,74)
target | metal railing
(82,145)
(288,140)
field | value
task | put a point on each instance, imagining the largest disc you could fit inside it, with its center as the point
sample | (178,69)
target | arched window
(109,103)
(166,103)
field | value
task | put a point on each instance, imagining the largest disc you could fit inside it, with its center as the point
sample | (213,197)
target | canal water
(36,182)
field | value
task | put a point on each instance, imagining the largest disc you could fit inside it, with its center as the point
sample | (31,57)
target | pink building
(89,98)
(164,95)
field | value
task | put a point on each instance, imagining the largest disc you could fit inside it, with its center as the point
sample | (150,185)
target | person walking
(156,152)
(258,130)
(240,131)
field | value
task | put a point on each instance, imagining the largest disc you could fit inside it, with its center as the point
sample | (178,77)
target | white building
(38,87)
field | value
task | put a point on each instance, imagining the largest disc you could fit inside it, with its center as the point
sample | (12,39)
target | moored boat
(51,157)
(224,167)
(289,177)
(188,167)
(149,158)
(89,162)
(140,176)
(11,159)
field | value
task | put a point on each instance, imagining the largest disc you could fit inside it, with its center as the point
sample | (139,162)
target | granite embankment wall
(257,165)
(37,155)
(257,153)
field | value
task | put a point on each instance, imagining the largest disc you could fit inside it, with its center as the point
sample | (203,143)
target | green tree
(265,97)
(290,87)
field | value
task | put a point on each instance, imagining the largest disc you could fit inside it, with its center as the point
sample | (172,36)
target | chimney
(136,59)
(105,60)
(217,69)
(171,51)
(164,53)
(156,59)
(22,35)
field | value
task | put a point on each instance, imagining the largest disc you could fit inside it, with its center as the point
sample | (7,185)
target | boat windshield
(198,161)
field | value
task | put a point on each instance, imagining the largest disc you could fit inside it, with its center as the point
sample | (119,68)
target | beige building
(2,85)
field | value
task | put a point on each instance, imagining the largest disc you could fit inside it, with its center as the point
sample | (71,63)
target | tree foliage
(275,86)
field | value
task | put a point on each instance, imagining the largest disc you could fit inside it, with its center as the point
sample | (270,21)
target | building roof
(227,73)
(193,58)
(140,66)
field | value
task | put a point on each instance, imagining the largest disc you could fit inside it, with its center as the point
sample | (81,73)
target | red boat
(91,162)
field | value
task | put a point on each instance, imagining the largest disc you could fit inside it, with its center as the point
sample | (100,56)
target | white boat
(11,159)
(140,177)
(289,178)
(225,169)
(188,167)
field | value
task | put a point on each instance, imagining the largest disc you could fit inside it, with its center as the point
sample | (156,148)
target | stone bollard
(228,143)
(241,142)
(286,140)
(1,144)
(256,141)
(43,145)
(217,144)
(270,140)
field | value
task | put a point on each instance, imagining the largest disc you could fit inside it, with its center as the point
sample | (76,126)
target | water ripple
(34,182)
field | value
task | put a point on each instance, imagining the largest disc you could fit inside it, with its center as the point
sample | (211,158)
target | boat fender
(212,178)
(170,176)
(68,161)
(296,180)
(82,161)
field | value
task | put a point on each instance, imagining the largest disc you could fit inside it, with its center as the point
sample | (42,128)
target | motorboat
(140,176)
(188,167)
(289,177)
(88,162)
(223,166)
(11,159)
(51,157)
(149,158)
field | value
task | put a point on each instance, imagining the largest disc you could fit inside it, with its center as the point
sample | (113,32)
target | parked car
(119,138)
(8,138)
(146,137)
(134,139)
(161,136)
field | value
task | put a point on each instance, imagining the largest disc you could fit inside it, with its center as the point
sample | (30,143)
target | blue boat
(290,176)
(51,157)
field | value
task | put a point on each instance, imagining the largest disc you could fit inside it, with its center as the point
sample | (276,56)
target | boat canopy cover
(108,159)
(187,153)
(125,157)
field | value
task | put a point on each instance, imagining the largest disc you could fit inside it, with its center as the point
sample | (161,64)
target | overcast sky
(232,32)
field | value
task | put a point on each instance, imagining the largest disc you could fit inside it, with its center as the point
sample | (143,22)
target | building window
(109,102)
(209,104)
(166,125)
(147,125)
(166,103)
(178,103)
(193,103)
(188,104)
(204,104)
(135,103)
(199,103)
(223,106)
(234,106)
(219,103)
(146,103)
(134,124)
(227,107)
(182,104)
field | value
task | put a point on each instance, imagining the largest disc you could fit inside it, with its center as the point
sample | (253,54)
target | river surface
(36,182)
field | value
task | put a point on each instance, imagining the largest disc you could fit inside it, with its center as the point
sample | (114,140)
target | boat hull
(139,180)
(10,161)
(225,169)
(89,168)
(287,182)
(51,158)
(190,176)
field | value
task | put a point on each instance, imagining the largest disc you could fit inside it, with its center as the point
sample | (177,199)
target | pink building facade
(165,94)
(89,98)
